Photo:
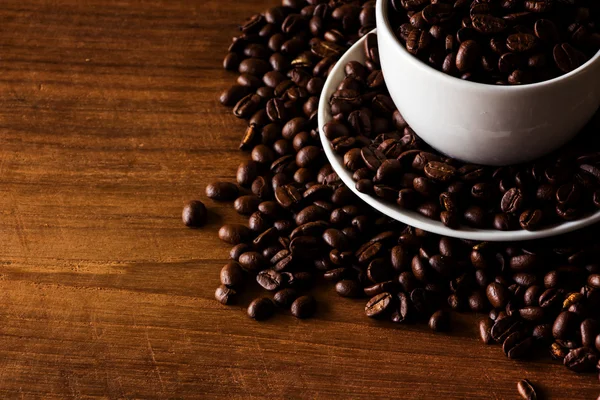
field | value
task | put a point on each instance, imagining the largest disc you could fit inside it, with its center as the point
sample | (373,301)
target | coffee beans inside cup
(499,42)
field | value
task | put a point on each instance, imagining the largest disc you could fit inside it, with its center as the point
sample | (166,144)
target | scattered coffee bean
(232,275)
(261,309)
(517,345)
(222,191)
(565,325)
(348,288)
(485,326)
(439,321)
(269,279)
(225,295)
(285,297)
(582,359)
(234,233)
(379,305)
(304,307)
(252,261)
(526,390)
(194,214)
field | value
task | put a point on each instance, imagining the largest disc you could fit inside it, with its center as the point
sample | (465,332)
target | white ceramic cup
(485,124)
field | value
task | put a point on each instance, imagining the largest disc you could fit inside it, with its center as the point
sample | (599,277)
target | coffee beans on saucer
(389,161)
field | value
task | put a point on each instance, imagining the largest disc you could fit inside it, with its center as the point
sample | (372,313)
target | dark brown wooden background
(109,121)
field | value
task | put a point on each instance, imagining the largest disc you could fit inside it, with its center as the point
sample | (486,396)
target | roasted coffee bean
(439,321)
(194,214)
(337,274)
(485,326)
(304,307)
(252,261)
(310,214)
(285,297)
(222,191)
(235,93)
(379,305)
(254,66)
(247,106)
(269,279)
(225,295)
(517,345)
(543,333)
(582,359)
(287,196)
(348,288)
(246,205)
(512,201)
(231,61)
(550,298)
(497,295)
(336,239)
(531,296)
(567,58)
(232,275)
(439,171)
(534,314)
(476,217)
(525,262)
(520,42)
(234,233)
(304,247)
(467,55)
(594,281)
(477,302)
(261,309)
(238,250)
(565,325)
(531,219)
(504,327)
(557,351)
(590,328)
(526,390)
(247,172)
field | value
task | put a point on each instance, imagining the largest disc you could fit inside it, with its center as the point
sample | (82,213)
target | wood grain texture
(109,121)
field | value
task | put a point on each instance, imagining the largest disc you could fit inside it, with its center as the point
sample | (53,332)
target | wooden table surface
(109,121)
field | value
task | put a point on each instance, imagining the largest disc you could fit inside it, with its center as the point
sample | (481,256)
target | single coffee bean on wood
(526,390)
(194,214)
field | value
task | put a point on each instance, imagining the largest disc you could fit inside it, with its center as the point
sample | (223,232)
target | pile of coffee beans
(304,225)
(499,41)
(389,161)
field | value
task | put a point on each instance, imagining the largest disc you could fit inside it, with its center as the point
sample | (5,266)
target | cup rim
(383,24)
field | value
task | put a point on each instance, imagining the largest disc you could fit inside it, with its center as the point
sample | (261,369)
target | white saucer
(356,53)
